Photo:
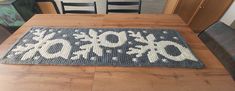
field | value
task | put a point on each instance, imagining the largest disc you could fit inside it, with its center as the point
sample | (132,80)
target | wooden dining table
(213,77)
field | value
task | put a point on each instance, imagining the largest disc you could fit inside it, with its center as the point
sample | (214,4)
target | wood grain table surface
(213,77)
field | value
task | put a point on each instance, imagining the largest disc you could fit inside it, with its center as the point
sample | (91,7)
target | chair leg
(140,6)
(62,6)
(107,6)
(95,7)
(56,7)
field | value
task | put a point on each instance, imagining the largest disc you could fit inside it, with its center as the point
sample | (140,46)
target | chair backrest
(120,3)
(79,5)
(46,2)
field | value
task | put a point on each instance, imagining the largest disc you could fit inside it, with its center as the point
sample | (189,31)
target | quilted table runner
(102,47)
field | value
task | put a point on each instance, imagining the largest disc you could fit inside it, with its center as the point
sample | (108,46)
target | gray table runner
(102,47)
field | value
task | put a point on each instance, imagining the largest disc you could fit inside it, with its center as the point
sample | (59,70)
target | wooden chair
(79,5)
(118,3)
(220,39)
(48,6)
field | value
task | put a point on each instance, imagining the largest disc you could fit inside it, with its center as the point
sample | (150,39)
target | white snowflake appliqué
(165,60)
(97,41)
(43,44)
(153,48)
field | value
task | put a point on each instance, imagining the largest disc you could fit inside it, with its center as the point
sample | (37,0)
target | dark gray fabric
(111,56)
(220,39)
(233,24)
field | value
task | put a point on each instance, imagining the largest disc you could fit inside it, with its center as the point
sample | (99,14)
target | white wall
(229,16)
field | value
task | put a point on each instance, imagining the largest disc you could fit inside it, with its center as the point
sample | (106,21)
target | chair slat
(123,11)
(78,4)
(138,10)
(80,11)
(123,3)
